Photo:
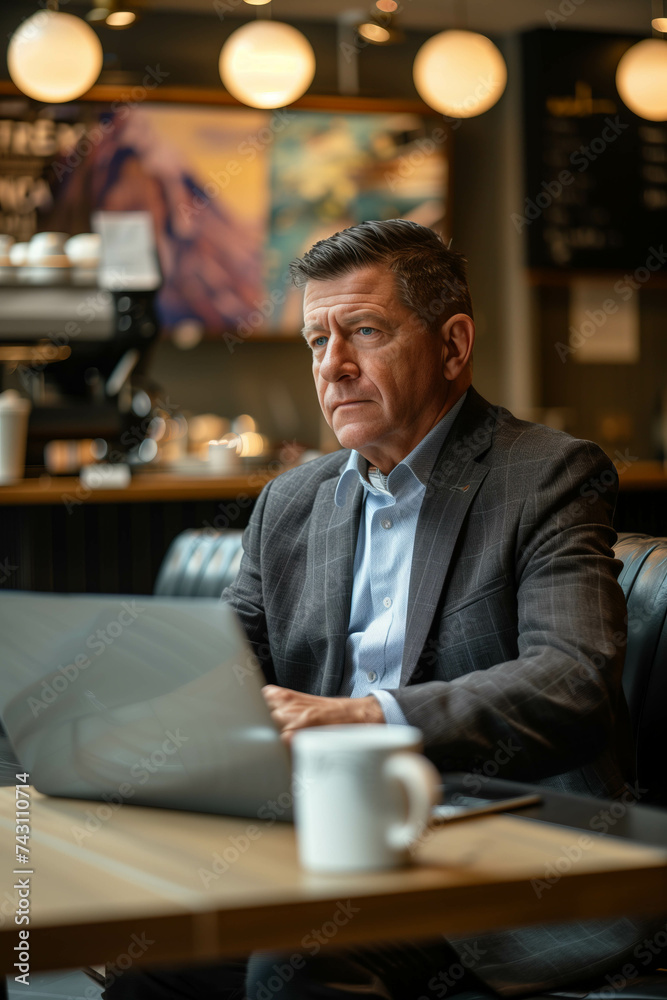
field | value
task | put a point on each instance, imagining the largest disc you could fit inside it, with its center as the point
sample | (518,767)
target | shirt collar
(419,462)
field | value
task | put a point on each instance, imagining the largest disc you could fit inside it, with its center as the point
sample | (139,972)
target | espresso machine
(80,352)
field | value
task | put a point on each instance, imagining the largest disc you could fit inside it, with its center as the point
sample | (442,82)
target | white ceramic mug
(44,245)
(18,254)
(83,249)
(362,795)
(14,413)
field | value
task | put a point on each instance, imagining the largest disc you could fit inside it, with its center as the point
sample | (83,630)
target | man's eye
(365,331)
(319,342)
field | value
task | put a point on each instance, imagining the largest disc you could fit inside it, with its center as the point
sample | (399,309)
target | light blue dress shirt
(382,562)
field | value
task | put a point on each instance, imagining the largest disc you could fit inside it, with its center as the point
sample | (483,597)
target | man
(451,568)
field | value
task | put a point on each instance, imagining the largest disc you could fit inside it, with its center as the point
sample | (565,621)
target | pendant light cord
(461,15)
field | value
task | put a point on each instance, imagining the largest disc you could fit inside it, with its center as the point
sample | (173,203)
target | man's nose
(338,361)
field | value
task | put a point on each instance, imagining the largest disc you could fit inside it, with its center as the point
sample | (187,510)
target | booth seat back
(644,582)
(200,563)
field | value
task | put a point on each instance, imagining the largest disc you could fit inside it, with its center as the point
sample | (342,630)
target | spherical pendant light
(267,64)
(641,79)
(54,57)
(460,73)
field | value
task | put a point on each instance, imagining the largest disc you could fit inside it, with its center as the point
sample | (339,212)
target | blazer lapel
(455,480)
(335,531)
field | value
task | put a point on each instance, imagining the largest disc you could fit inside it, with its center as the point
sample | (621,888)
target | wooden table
(199,887)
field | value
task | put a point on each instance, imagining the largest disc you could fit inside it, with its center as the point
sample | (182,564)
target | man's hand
(292,710)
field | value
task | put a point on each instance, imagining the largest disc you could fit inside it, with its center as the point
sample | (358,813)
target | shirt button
(387,602)
(372,676)
(386,522)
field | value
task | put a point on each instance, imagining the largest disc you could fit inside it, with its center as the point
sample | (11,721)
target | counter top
(642,475)
(143,488)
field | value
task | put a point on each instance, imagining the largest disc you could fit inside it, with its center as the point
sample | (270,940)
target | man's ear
(458,337)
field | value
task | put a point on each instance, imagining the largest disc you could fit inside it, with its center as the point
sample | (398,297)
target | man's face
(378,372)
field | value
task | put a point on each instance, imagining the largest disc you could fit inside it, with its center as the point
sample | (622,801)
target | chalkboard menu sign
(595,173)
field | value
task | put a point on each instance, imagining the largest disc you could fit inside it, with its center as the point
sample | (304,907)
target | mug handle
(422,784)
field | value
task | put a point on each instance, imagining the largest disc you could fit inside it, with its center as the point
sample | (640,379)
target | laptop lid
(153,701)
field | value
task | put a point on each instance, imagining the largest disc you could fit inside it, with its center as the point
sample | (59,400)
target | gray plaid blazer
(515,632)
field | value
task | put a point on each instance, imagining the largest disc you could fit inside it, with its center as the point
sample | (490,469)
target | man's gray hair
(431,278)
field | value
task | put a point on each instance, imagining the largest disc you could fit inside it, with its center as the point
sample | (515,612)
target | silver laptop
(145,700)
